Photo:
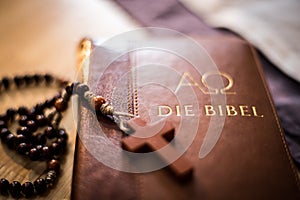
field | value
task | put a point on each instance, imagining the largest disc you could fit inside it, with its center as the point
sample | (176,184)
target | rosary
(50,144)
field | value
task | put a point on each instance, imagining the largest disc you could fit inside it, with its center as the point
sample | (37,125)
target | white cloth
(273,26)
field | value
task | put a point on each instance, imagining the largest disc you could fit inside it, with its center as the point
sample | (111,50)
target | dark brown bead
(62,142)
(34,154)
(3,124)
(23,120)
(24,131)
(40,186)
(98,101)
(50,132)
(27,189)
(41,120)
(10,140)
(69,89)
(66,97)
(4,133)
(23,148)
(39,108)
(52,101)
(20,139)
(28,79)
(4,186)
(39,148)
(10,113)
(6,83)
(22,110)
(46,154)
(60,105)
(15,189)
(48,104)
(4,118)
(62,134)
(40,138)
(32,126)
(53,165)
(48,78)
(19,81)
(51,178)
(55,148)
(38,78)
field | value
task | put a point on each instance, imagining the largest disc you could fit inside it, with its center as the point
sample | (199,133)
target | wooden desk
(42,36)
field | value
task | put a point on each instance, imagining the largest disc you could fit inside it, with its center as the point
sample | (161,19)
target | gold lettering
(187,80)
(177,110)
(255,112)
(209,110)
(231,110)
(164,114)
(188,110)
(215,90)
(220,110)
(244,111)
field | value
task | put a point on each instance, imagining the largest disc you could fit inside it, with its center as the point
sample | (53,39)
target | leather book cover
(225,138)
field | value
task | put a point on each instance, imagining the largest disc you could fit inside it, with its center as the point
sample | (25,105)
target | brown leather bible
(225,139)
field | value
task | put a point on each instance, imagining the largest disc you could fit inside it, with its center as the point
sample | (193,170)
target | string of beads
(39,136)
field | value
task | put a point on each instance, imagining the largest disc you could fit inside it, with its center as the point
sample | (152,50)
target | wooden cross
(148,138)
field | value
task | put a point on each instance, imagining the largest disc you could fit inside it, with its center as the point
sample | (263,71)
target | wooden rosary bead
(41,120)
(23,120)
(20,139)
(51,178)
(53,165)
(10,113)
(38,78)
(39,147)
(23,148)
(4,186)
(32,126)
(3,124)
(19,81)
(40,186)
(50,132)
(27,189)
(61,105)
(62,142)
(24,131)
(4,118)
(98,102)
(15,189)
(48,78)
(22,110)
(55,148)
(40,138)
(62,134)
(10,140)
(4,133)
(28,79)
(37,109)
(34,154)
(45,153)
(6,83)
(69,89)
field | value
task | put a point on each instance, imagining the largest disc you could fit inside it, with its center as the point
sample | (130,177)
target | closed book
(226,140)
